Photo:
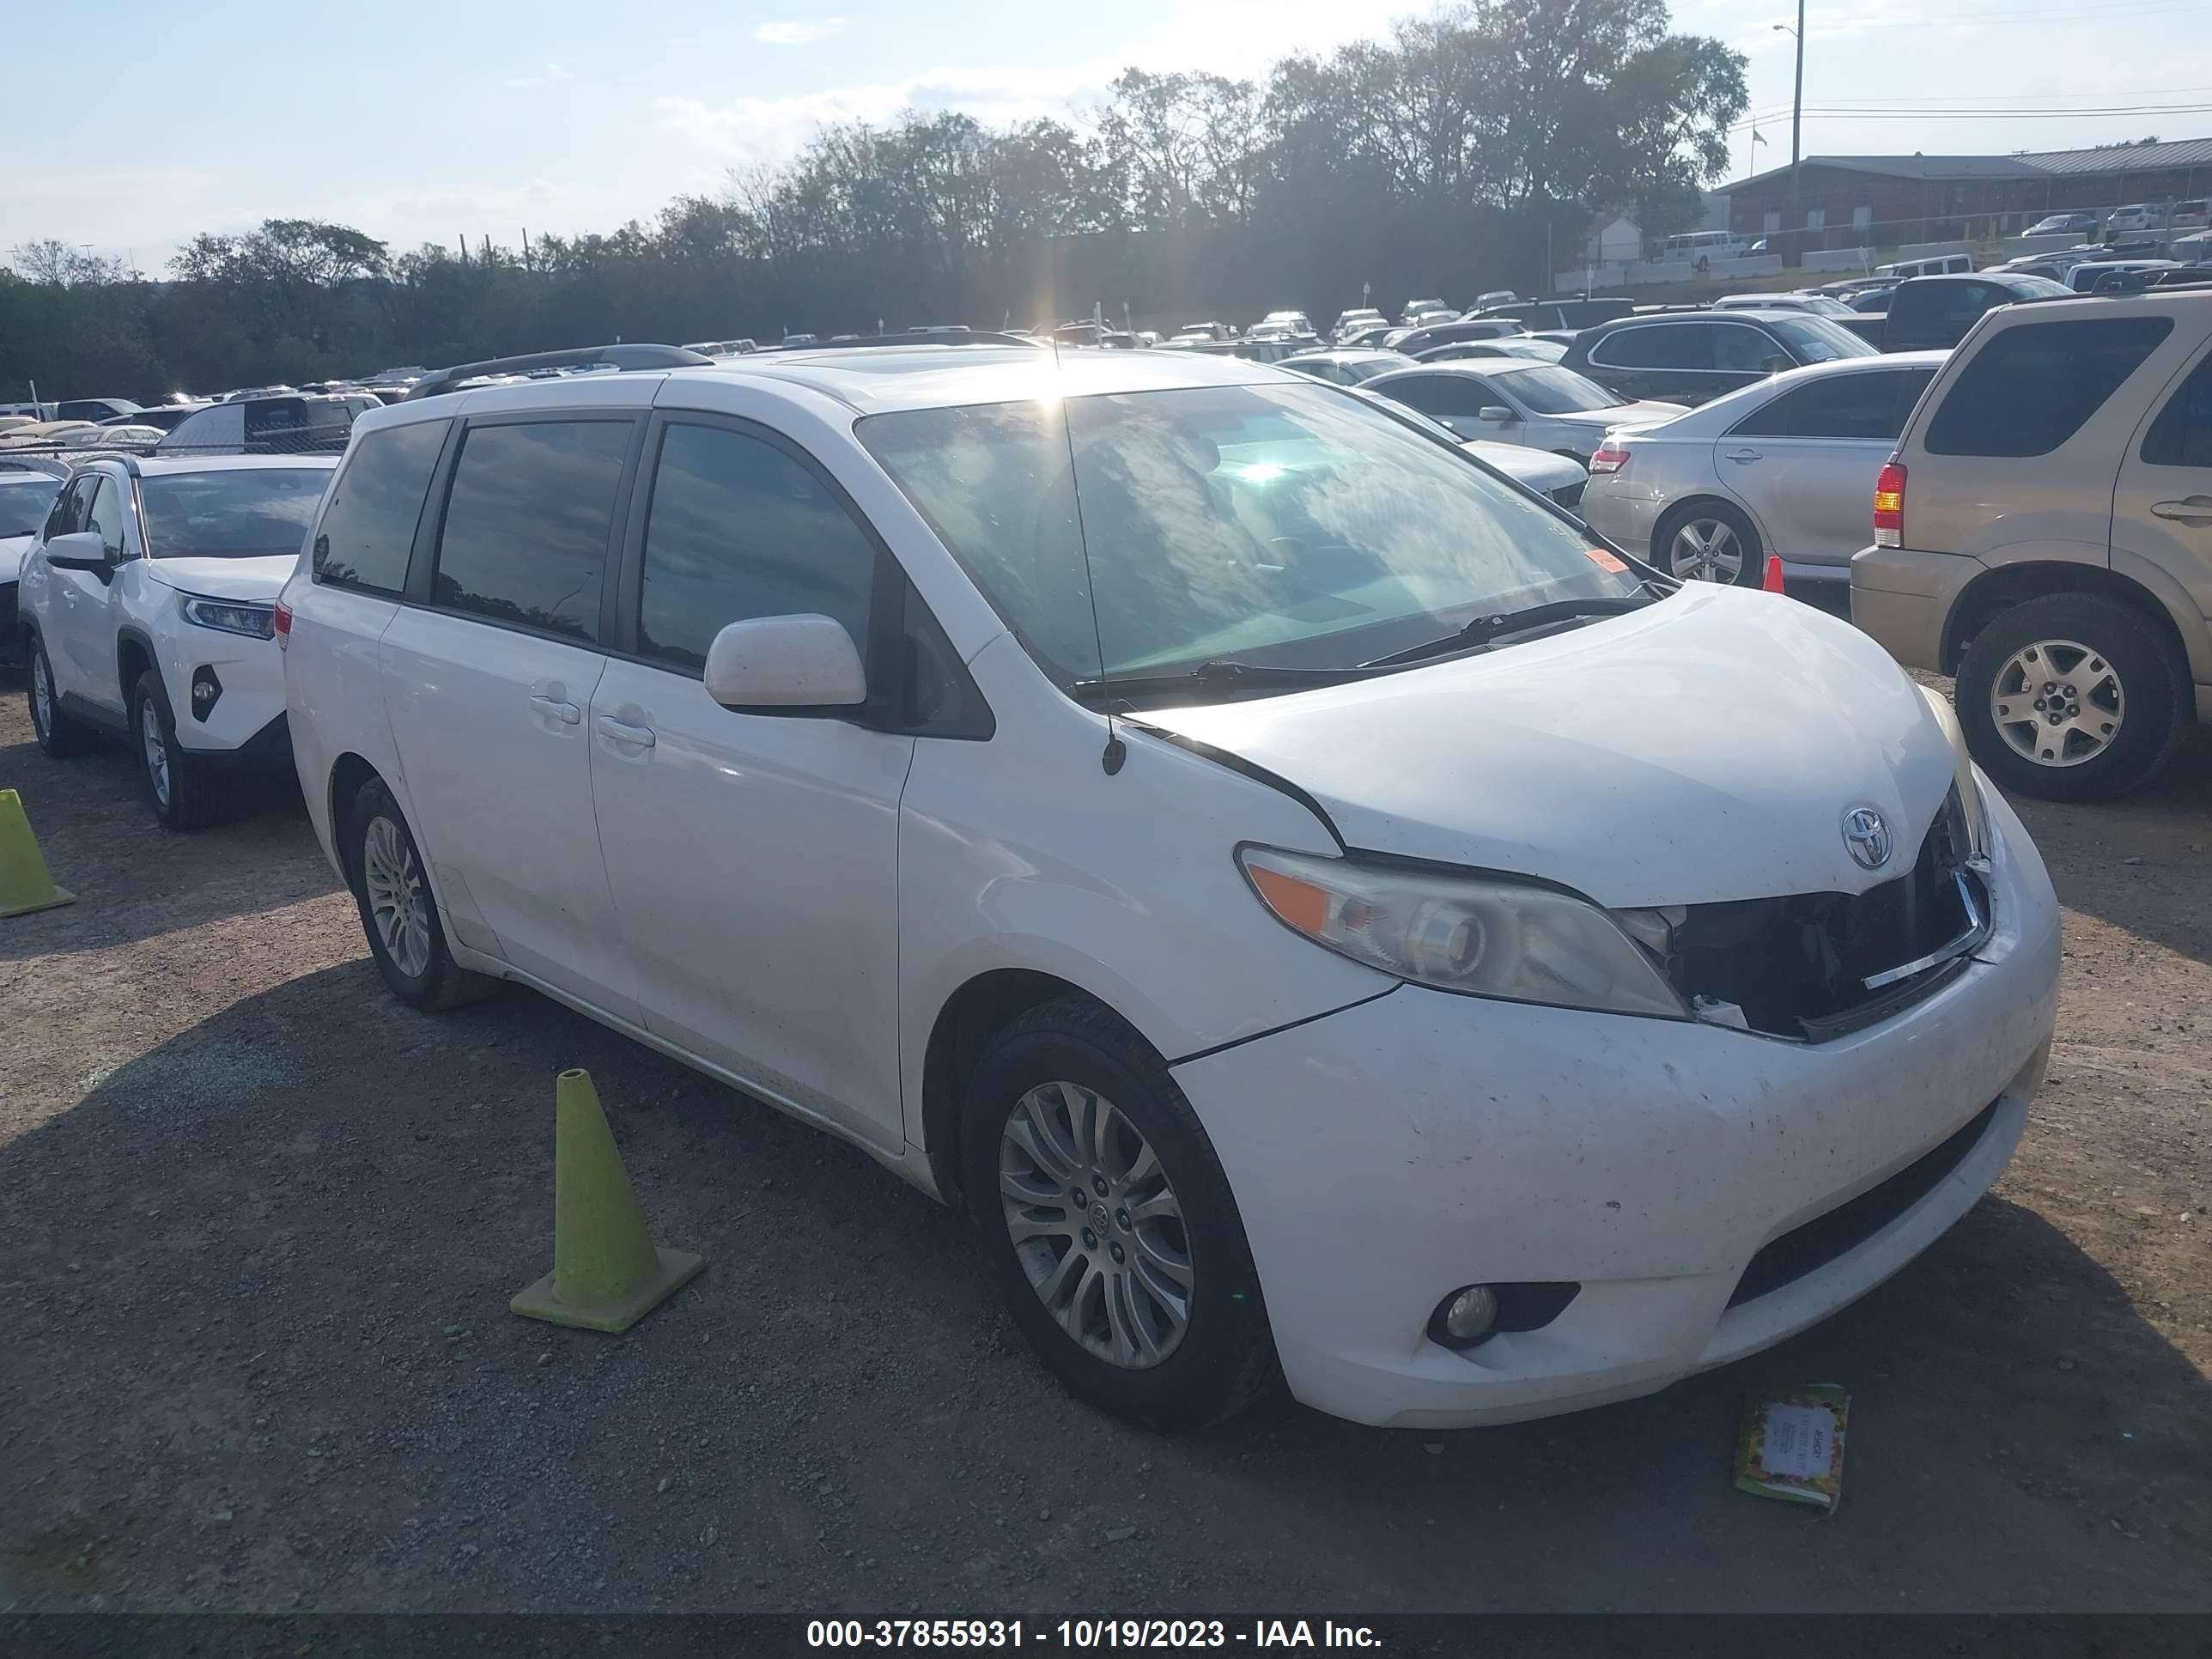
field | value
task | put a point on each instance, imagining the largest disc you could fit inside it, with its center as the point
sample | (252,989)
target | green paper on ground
(1791,1444)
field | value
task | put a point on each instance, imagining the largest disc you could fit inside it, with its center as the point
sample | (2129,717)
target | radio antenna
(1116,750)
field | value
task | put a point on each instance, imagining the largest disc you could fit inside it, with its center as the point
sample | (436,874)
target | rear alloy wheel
(1709,542)
(59,737)
(1109,1222)
(2072,697)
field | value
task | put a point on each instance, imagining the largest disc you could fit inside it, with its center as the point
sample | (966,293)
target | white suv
(1345,944)
(147,609)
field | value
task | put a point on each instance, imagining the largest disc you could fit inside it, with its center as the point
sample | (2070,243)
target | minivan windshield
(1277,527)
(242,513)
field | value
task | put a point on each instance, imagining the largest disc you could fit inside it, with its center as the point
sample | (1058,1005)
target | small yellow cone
(25,886)
(607,1274)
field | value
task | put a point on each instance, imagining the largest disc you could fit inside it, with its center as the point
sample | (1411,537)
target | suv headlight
(231,616)
(1481,936)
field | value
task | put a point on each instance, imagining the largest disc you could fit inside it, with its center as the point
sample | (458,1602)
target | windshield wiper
(1483,630)
(1226,675)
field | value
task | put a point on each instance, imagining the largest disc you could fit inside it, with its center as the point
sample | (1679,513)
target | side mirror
(1775,364)
(81,549)
(801,664)
(1494,414)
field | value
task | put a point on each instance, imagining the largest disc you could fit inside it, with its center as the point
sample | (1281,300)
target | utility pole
(1796,123)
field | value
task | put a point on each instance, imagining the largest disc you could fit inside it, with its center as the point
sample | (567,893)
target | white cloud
(551,76)
(1235,38)
(799,34)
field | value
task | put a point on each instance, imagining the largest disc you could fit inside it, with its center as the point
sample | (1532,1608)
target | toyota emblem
(1867,836)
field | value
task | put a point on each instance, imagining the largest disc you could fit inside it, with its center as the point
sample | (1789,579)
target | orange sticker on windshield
(1604,561)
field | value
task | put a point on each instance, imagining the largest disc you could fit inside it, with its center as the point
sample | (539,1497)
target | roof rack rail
(924,337)
(611,356)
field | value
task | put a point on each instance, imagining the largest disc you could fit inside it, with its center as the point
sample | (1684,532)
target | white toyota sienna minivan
(1324,913)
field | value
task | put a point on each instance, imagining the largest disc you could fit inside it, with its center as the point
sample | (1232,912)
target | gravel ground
(260,1223)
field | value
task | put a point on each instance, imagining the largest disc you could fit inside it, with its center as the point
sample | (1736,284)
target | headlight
(231,616)
(1478,935)
(1966,786)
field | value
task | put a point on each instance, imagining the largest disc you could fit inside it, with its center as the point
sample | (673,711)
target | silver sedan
(1783,467)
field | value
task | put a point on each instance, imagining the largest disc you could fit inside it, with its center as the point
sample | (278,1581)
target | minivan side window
(2182,433)
(2032,387)
(1868,405)
(1655,345)
(737,529)
(528,521)
(368,529)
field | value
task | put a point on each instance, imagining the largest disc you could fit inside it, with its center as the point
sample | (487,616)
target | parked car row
(1121,767)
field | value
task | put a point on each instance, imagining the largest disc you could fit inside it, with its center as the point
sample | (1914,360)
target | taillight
(1889,506)
(283,625)
(1610,457)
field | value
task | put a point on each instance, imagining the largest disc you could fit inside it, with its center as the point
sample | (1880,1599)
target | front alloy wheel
(155,748)
(1107,1221)
(1096,1224)
(1705,551)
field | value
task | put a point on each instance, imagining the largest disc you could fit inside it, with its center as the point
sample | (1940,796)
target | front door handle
(1745,455)
(623,732)
(567,713)
(2195,511)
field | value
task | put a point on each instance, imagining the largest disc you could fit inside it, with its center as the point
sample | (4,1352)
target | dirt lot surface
(258,1225)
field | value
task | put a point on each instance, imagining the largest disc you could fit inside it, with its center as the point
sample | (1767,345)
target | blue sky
(416,121)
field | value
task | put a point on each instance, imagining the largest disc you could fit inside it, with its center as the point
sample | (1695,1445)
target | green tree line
(1460,152)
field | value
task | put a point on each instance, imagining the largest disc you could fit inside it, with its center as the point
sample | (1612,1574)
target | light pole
(1796,111)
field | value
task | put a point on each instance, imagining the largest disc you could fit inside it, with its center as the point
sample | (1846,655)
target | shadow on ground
(134,879)
(258,1356)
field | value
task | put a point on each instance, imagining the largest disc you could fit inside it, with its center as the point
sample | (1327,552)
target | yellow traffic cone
(25,886)
(607,1274)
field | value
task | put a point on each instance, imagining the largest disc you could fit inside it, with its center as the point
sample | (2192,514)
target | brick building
(1879,201)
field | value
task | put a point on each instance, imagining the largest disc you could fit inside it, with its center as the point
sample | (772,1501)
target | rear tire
(2073,697)
(397,911)
(1709,541)
(59,737)
(182,789)
(1142,1297)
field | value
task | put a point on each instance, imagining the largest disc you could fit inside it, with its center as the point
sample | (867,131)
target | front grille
(1809,1247)
(1570,495)
(1798,965)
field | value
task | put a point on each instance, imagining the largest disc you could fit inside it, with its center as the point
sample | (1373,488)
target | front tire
(2073,697)
(181,788)
(397,911)
(59,737)
(1109,1223)
(1709,541)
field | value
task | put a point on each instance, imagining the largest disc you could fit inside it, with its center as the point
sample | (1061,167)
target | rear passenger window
(738,529)
(2031,388)
(528,521)
(2182,433)
(1667,345)
(369,526)
(1869,405)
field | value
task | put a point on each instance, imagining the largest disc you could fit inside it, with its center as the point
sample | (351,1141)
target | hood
(262,578)
(1540,469)
(1702,748)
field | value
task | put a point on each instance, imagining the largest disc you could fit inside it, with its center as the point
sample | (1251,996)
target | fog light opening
(1464,1317)
(206,691)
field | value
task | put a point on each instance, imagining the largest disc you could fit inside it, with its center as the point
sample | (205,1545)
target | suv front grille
(1798,965)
